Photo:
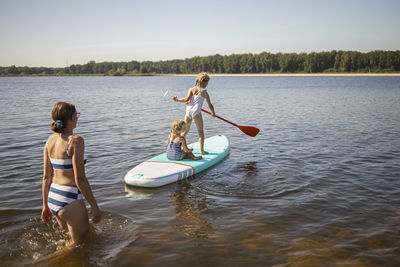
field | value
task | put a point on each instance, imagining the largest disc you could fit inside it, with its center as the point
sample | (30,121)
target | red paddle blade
(249,130)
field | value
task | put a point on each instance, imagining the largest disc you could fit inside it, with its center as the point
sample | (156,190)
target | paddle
(249,130)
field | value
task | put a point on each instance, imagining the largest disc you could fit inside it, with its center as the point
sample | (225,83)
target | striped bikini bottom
(61,195)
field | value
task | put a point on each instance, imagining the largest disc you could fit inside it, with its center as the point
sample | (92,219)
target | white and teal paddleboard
(159,171)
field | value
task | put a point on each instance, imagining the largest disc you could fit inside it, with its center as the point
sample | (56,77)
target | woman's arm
(207,97)
(185,99)
(78,148)
(47,180)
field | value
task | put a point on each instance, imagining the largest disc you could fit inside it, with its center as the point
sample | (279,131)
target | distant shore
(290,74)
(397,74)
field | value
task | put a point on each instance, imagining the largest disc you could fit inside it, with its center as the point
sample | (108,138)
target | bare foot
(197,158)
(204,153)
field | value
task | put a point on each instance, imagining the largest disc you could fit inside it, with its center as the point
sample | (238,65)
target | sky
(55,33)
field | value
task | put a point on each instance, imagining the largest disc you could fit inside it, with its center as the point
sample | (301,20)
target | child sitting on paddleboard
(195,99)
(176,141)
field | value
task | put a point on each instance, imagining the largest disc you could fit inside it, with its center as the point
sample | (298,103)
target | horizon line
(217,54)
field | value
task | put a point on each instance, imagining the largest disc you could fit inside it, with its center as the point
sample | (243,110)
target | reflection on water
(190,206)
(248,169)
(136,193)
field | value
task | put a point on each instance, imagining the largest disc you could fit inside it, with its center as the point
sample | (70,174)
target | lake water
(319,185)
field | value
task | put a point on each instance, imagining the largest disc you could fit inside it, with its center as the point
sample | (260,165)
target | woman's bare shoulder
(77,139)
(50,139)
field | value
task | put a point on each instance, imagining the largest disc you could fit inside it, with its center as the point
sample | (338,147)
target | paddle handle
(220,118)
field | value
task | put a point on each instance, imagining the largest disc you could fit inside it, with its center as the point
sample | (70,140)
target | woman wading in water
(64,180)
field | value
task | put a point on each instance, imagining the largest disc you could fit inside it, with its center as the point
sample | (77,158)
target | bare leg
(188,122)
(189,154)
(198,119)
(61,223)
(77,220)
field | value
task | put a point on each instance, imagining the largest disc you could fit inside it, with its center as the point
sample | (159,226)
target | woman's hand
(46,215)
(96,214)
(175,98)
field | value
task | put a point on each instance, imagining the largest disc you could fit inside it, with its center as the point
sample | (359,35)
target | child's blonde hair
(177,126)
(202,77)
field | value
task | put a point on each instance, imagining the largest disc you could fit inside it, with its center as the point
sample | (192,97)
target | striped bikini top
(64,164)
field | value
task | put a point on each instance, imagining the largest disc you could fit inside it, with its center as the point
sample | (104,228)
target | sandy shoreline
(294,74)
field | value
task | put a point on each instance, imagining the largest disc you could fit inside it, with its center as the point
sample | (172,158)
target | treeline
(318,62)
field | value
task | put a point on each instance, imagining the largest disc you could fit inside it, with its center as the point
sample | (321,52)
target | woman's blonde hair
(61,114)
(202,77)
(177,126)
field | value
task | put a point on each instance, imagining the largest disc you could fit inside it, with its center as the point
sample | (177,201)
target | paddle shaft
(220,118)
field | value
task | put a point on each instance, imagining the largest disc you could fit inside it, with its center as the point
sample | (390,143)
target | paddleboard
(159,170)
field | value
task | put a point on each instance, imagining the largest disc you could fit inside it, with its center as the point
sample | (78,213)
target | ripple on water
(254,179)
(28,240)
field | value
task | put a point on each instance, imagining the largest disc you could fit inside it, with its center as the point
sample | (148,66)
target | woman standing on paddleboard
(195,99)
(64,179)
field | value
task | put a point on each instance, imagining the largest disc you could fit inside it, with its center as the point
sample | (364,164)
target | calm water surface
(318,186)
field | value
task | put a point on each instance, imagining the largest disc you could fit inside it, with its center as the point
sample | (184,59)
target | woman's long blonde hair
(202,78)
